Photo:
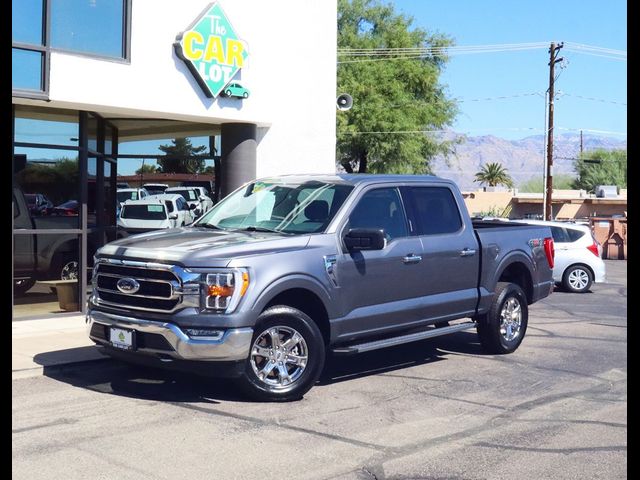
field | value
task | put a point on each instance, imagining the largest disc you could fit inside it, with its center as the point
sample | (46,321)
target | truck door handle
(411,258)
(467,252)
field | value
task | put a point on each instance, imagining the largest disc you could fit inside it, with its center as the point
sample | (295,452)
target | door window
(436,211)
(559,235)
(380,208)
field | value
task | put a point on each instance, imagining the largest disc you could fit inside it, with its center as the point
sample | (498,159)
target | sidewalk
(49,343)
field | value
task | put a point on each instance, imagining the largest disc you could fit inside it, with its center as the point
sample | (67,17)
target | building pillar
(238,162)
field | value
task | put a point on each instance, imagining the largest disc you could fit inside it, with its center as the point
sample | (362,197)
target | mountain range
(523,159)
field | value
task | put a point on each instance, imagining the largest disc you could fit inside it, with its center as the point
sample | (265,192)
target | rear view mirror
(364,239)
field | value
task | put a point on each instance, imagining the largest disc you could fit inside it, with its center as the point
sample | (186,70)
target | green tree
(176,161)
(146,168)
(611,169)
(561,181)
(389,94)
(494,174)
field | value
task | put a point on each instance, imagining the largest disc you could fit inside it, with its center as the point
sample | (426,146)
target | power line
(560,93)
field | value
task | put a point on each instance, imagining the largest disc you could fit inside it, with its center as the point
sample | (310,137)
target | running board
(393,341)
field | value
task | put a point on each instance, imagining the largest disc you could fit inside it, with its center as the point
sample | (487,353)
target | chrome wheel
(578,279)
(69,271)
(510,319)
(279,356)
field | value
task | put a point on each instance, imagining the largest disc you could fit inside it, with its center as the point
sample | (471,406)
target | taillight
(549,251)
(593,248)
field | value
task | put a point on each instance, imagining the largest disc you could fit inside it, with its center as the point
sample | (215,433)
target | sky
(489,75)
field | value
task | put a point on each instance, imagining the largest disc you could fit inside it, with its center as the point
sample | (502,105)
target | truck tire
(65,267)
(286,357)
(21,286)
(577,279)
(502,328)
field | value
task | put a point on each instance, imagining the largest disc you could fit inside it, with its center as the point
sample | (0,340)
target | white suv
(153,213)
(578,258)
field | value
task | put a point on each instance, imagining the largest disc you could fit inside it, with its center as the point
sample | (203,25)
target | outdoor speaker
(344,102)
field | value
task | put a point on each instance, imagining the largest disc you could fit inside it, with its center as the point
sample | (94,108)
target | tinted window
(559,235)
(574,234)
(144,212)
(169,205)
(88,26)
(436,210)
(380,208)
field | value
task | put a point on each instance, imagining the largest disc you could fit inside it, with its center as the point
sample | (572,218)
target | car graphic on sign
(235,89)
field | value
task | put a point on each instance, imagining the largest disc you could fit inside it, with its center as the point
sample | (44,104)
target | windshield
(186,194)
(144,212)
(280,207)
(124,196)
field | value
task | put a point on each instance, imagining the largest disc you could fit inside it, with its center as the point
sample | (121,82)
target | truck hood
(200,247)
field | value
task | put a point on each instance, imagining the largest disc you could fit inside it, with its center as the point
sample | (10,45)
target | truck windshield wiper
(259,229)
(208,225)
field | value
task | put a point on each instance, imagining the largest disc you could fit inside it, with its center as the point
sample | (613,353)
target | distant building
(566,204)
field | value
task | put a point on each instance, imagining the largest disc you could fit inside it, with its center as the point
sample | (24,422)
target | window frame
(45,49)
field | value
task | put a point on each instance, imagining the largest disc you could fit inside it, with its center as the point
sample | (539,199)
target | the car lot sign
(212,50)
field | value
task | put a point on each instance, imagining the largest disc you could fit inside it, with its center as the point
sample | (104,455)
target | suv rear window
(144,212)
(574,234)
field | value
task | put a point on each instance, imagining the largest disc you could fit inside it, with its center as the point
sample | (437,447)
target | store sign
(212,50)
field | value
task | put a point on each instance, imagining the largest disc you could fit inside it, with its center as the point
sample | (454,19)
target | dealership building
(91,78)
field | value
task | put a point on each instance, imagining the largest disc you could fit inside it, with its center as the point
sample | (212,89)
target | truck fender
(516,256)
(289,282)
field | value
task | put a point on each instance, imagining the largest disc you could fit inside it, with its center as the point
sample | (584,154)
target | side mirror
(173,216)
(192,206)
(364,239)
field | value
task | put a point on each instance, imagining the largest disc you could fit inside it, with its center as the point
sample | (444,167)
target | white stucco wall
(291,72)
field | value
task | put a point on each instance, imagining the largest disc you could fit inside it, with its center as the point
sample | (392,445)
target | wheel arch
(519,272)
(306,296)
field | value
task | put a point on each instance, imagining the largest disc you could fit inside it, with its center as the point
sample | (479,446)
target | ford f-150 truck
(285,270)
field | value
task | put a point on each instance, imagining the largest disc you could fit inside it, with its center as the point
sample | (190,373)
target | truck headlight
(223,290)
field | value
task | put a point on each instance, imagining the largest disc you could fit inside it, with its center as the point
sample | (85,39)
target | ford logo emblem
(128,285)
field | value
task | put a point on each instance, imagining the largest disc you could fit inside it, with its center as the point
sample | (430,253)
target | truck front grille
(159,287)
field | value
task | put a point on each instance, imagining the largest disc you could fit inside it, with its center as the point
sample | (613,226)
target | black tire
(64,267)
(21,286)
(283,322)
(507,296)
(577,279)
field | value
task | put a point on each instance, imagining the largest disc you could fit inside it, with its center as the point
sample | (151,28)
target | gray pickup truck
(285,270)
(41,256)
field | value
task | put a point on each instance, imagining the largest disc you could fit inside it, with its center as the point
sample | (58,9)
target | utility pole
(580,143)
(553,59)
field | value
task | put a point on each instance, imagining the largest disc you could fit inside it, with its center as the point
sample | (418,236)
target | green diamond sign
(212,50)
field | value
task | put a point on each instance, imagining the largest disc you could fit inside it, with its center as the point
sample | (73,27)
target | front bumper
(232,346)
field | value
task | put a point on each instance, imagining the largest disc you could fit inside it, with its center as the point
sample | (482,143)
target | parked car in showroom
(578,259)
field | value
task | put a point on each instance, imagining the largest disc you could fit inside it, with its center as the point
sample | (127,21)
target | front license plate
(121,338)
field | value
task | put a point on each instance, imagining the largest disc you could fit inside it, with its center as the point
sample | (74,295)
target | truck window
(380,208)
(436,211)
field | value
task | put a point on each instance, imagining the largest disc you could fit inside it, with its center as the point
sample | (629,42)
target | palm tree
(494,174)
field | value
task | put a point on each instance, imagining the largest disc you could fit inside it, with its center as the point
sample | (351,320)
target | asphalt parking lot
(436,409)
